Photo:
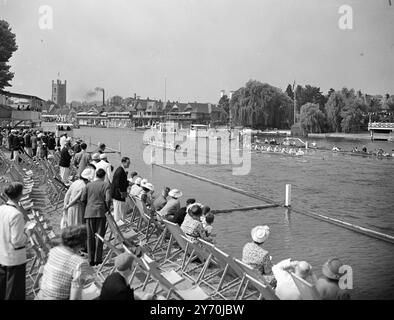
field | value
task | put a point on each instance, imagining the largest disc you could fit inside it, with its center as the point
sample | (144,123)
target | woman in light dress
(73,207)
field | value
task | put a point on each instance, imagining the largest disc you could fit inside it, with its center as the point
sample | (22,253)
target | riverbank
(348,136)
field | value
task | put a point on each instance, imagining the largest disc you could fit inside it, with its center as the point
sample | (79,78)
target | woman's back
(62,268)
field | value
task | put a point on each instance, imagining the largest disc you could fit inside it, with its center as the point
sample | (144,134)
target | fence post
(288,195)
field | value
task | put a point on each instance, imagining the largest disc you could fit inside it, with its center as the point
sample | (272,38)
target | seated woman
(66,272)
(146,194)
(192,226)
(136,187)
(172,206)
(255,256)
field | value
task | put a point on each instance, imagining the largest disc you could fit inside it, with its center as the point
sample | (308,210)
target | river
(353,189)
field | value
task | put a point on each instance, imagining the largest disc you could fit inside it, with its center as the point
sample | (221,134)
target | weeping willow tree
(312,119)
(260,105)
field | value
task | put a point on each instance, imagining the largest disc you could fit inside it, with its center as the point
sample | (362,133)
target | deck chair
(176,234)
(193,292)
(112,250)
(257,281)
(127,236)
(35,268)
(231,275)
(151,225)
(307,290)
(206,258)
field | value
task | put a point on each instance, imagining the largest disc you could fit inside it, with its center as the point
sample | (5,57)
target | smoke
(93,93)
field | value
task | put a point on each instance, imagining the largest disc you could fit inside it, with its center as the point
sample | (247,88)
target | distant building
(116,101)
(59,92)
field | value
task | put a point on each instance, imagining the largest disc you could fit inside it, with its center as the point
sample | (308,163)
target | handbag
(63,221)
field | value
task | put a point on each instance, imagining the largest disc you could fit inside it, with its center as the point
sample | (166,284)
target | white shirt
(135,190)
(12,236)
(286,289)
(107,168)
(62,142)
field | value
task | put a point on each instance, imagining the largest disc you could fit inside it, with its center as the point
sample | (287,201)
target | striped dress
(63,269)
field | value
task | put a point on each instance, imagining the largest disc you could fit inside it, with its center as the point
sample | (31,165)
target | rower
(335,148)
(364,149)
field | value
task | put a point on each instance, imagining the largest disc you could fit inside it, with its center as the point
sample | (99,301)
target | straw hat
(175,193)
(88,174)
(148,186)
(143,182)
(137,181)
(103,156)
(331,269)
(96,156)
(260,233)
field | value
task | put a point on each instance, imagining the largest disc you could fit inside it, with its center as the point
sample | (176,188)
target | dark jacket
(51,143)
(96,197)
(65,158)
(116,288)
(27,138)
(119,184)
(180,216)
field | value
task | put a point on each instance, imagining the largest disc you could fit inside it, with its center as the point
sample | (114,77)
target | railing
(381,125)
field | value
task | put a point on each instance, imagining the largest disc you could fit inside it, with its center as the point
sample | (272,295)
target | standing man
(82,159)
(13,240)
(97,198)
(106,166)
(119,189)
(51,143)
(33,140)
(65,161)
(27,138)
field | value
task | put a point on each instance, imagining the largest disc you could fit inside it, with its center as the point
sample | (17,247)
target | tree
(7,48)
(333,108)
(224,105)
(312,119)
(309,94)
(289,91)
(260,105)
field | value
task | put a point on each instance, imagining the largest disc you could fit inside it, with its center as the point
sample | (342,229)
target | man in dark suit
(119,189)
(97,199)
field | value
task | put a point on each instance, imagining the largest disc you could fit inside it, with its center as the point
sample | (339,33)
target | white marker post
(288,195)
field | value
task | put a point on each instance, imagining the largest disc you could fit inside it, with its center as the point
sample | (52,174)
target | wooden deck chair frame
(228,265)
(112,250)
(307,290)
(256,280)
(189,293)
(206,258)
(144,217)
(118,234)
(176,234)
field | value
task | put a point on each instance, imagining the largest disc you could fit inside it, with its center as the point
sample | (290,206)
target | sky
(199,47)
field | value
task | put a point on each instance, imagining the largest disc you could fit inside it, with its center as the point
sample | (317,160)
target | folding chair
(230,271)
(113,250)
(190,292)
(254,278)
(307,290)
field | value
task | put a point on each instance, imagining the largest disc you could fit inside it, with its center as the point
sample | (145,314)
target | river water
(353,189)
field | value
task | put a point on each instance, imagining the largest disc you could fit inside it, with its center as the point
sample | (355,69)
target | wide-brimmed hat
(137,181)
(175,193)
(148,186)
(88,174)
(124,261)
(96,156)
(143,182)
(103,156)
(260,233)
(331,269)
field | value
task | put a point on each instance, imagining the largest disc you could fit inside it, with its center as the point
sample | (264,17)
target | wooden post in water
(288,195)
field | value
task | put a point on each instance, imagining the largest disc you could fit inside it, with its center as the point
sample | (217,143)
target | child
(209,218)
